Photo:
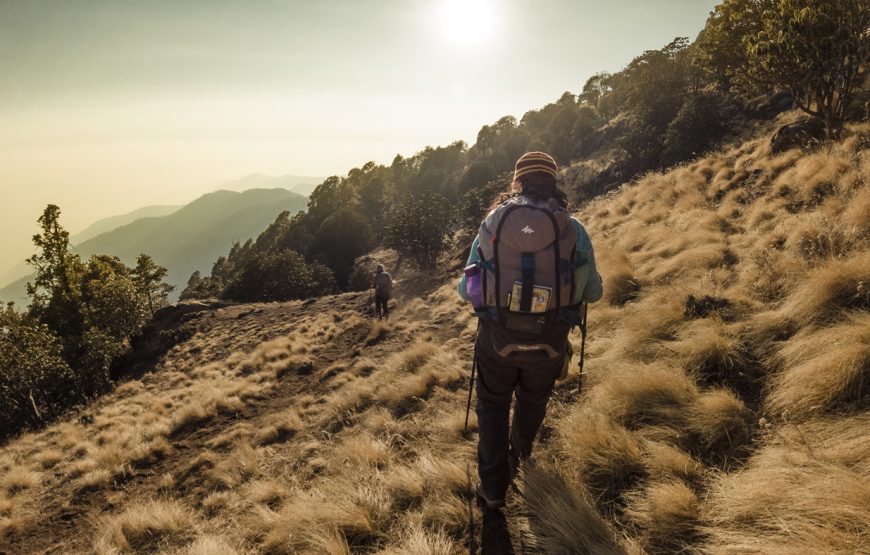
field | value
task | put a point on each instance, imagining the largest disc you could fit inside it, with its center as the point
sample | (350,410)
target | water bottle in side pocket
(474,286)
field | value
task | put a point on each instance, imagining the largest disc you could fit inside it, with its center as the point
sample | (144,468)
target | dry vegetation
(724,409)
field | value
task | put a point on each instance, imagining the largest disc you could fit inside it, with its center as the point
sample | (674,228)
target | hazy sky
(110,105)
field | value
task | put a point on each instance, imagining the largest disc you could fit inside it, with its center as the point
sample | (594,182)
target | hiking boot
(490,502)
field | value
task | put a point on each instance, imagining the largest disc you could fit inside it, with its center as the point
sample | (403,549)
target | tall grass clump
(788,501)
(667,514)
(562,521)
(602,456)
(822,370)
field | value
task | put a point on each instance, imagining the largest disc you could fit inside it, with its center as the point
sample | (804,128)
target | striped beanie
(536,162)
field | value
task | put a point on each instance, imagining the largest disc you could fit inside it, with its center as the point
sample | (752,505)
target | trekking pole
(584,316)
(471,385)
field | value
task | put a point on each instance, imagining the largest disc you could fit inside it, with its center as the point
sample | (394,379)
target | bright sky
(108,105)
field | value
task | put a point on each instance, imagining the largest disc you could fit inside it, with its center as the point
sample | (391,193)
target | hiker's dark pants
(497,380)
(382,306)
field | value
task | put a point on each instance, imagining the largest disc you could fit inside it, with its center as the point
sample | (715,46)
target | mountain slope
(113,222)
(723,408)
(194,236)
(190,238)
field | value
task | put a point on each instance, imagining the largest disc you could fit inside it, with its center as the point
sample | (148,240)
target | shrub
(480,198)
(361,275)
(280,276)
(696,126)
(339,240)
(35,380)
(418,228)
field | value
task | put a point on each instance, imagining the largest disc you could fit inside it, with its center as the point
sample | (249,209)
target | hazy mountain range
(301,184)
(22,269)
(183,239)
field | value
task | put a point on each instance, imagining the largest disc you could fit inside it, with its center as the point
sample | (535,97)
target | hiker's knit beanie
(536,162)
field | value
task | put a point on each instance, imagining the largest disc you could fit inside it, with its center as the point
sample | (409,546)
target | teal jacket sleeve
(588,287)
(473,257)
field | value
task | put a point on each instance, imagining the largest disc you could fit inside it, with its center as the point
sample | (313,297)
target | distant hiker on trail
(530,270)
(382,283)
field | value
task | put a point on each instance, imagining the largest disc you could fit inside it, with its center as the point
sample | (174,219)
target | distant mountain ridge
(114,222)
(189,238)
(300,184)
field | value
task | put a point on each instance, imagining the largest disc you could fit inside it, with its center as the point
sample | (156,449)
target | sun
(467,22)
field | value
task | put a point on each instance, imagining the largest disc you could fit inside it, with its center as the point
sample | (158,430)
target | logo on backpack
(527,229)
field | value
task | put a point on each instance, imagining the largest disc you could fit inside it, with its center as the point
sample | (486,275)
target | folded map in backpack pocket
(540,297)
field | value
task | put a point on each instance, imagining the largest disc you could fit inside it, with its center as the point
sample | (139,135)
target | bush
(280,276)
(361,275)
(35,381)
(639,150)
(479,199)
(696,126)
(418,228)
(199,287)
(341,238)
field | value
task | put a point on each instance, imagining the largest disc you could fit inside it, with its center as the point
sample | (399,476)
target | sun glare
(467,22)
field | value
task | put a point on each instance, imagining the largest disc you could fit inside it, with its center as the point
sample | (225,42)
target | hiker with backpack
(382,284)
(530,272)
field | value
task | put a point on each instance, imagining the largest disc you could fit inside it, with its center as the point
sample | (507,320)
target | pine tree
(148,278)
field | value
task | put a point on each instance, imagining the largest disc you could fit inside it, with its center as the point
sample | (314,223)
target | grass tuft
(562,521)
(145,527)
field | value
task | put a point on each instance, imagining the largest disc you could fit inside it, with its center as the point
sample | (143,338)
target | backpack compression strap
(528,283)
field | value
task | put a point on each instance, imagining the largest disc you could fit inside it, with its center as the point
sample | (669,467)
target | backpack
(527,250)
(383,284)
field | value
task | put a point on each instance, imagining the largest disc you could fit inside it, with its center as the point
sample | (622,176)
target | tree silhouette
(418,228)
(148,278)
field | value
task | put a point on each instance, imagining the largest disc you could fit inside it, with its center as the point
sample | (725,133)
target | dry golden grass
(562,521)
(602,455)
(233,469)
(713,353)
(210,545)
(353,515)
(664,462)
(279,427)
(817,237)
(719,426)
(667,514)
(813,177)
(643,394)
(621,283)
(839,440)
(145,527)
(831,290)
(856,217)
(360,450)
(418,540)
(822,369)
(19,478)
(787,501)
